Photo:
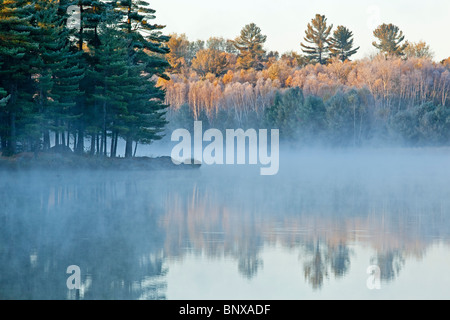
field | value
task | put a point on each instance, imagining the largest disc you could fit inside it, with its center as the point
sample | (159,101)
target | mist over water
(311,231)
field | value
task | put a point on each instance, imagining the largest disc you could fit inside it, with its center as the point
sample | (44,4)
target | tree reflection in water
(123,228)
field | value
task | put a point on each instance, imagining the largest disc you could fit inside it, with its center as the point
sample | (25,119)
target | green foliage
(96,79)
(57,86)
(312,117)
(297,117)
(18,57)
(284,114)
(341,44)
(423,124)
(347,119)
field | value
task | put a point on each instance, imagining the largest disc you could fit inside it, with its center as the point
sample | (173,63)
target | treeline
(399,95)
(84,74)
(78,71)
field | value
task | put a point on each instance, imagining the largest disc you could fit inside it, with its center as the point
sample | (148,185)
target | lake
(358,224)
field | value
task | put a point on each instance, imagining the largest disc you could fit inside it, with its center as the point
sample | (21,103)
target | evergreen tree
(317,34)
(146,51)
(389,38)
(285,112)
(18,57)
(341,44)
(57,86)
(113,89)
(250,45)
(148,40)
(86,39)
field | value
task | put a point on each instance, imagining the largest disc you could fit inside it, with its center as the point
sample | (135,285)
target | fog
(333,212)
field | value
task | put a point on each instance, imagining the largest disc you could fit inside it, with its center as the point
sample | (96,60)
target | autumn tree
(418,50)
(341,44)
(193,48)
(210,61)
(318,36)
(250,45)
(390,39)
(179,52)
(221,44)
(446,62)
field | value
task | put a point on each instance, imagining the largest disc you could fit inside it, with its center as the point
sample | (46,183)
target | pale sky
(284,21)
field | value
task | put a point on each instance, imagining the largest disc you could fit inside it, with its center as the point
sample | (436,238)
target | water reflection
(93,222)
(125,230)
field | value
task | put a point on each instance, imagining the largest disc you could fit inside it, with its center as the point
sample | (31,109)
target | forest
(85,74)
(399,96)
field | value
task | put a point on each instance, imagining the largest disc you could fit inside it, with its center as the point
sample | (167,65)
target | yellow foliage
(446,62)
(228,77)
(289,81)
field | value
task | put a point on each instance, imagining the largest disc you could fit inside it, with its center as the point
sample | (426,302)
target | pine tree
(57,86)
(390,38)
(87,40)
(148,40)
(146,111)
(4,97)
(114,88)
(250,45)
(317,34)
(18,55)
(341,44)
(146,51)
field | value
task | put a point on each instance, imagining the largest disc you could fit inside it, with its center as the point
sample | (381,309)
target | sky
(284,21)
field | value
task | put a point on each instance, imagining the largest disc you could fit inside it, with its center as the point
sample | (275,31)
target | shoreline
(54,161)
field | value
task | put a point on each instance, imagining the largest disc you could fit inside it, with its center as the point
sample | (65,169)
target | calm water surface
(311,232)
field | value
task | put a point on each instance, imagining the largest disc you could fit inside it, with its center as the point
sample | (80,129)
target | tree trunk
(46,145)
(112,155)
(129,147)
(68,135)
(92,151)
(75,136)
(12,143)
(3,132)
(3,144)
(81,40)
(63,138)
(80,141)
(115,144)
(135,149)
(97,141)
(105,138)
(103,144)
(57,137)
